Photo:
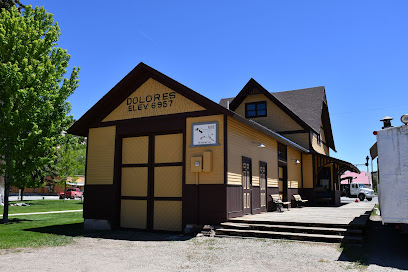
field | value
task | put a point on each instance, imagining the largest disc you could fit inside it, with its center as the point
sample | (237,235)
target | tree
(8,4)
(71,159)
(33,94)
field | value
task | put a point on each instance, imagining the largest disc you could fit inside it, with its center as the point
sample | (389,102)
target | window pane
(261,106)
(261,112)
(250,107)
(251,113)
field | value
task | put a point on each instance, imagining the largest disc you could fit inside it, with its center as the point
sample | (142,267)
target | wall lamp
(261,145)
(297,161)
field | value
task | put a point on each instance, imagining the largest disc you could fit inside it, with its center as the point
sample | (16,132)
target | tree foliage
(33,94)
(71,157)
(8,4)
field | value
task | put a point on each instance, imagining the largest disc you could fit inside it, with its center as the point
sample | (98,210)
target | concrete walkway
(18,214)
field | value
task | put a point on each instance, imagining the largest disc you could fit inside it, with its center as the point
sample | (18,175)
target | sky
(358,50)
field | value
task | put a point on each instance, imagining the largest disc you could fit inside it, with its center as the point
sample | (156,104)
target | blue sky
(358,50)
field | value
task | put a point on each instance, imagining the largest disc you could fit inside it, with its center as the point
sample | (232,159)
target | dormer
(299,115)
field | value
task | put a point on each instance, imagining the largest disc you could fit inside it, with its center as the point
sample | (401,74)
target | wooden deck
(324,224)
(347,214)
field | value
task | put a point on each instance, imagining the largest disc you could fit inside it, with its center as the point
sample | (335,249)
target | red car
(70,193)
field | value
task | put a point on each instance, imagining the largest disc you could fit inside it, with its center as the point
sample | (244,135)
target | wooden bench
(299,201)
(276,199)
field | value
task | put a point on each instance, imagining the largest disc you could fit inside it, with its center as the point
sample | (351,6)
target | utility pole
(368,171)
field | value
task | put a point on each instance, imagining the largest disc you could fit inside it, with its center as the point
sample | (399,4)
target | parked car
(71,193)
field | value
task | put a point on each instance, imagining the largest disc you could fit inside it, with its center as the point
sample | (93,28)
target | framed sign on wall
(204,134)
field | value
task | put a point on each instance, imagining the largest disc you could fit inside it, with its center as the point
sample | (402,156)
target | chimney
(387,121)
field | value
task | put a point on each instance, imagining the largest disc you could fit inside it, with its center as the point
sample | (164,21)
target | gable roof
(305,103)
(253,87)
(131,82)
(308,106)
(140,74)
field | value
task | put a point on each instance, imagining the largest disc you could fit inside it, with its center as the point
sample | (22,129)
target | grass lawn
(44,206)
(41,230)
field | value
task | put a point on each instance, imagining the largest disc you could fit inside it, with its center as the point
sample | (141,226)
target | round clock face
(205,134)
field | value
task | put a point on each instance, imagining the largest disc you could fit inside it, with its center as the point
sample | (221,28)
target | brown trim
(167,198)
(134,197)
(152,119)
(183,179)
(96,209)
(234,200)
(314,170)
(292,131)
(301,168)
(117,178)
(86,171)
(225,149)
(150,186)
(136,165)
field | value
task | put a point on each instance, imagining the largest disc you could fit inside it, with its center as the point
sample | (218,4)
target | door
(151,184)
(283,182)
(247,184)
(262,184)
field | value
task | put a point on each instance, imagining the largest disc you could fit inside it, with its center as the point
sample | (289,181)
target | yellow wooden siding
(168,148)
(243,141)
(135,150)
(101,153)
(276,119)
(307,162)
(134,181)
(320,148)
(216,176)
(133,213)
(168,181)
(294,169)
(152,99)
(167,215)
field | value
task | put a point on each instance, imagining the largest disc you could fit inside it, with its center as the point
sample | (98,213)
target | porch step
(288,235)
(327,233)
(355,225)
(289,228)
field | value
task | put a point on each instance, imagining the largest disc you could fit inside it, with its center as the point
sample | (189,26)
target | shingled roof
(308,104)
(305,103)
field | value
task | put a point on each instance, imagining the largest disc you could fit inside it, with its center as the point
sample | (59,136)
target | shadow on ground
(15,220)
(77,230)
(384,246)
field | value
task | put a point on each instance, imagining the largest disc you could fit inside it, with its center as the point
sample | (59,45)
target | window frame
(256,109)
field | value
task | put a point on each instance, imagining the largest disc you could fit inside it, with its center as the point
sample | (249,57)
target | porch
(345,223)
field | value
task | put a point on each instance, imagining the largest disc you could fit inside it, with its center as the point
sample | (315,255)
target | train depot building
(163,157)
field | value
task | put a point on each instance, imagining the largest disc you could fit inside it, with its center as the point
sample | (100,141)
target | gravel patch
(158,252)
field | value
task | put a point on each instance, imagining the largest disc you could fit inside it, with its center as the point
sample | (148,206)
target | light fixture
(297,161)
(261,145)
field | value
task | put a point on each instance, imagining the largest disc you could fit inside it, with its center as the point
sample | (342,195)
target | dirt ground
(134,251)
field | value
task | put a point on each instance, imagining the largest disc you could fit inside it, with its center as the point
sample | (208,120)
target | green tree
(33,94)
(71,157)
(8,4)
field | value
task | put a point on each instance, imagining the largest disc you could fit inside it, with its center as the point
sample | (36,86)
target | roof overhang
(343,165)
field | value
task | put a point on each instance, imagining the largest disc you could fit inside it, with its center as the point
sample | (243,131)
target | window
(282,152)
(256,109)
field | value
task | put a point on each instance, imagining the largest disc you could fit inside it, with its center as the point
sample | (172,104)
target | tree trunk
(21,193)
(6,198)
